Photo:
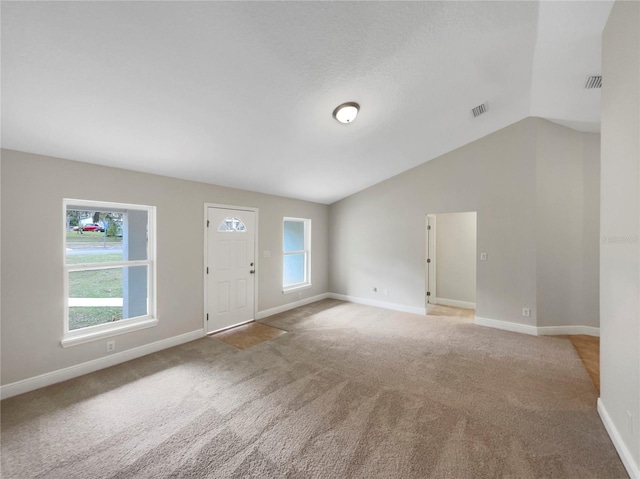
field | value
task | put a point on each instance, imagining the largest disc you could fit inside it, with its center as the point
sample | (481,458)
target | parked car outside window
(89,227)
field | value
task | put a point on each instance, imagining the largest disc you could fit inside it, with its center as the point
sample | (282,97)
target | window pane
(98,283)
(107,295)
(93,237)
(231,224)
(135,235)
(293,269)
(83,317)
(78,256)
(293,236)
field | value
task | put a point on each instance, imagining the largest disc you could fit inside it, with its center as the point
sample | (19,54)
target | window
(109,271)
(231,225)
(296,261)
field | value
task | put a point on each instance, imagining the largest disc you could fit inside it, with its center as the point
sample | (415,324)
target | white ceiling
(241,93)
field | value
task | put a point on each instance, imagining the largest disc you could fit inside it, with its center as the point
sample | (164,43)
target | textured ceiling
(241,94)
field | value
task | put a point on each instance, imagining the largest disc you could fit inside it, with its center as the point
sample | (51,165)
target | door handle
(252,271)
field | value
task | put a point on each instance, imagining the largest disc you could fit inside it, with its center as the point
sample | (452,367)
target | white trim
(623,451)
(107,330)
(568,330)
(104,205)
(229,207)
(47,379)
(430,267)
(536,331)
(106,265)
(455,303)
(205,284)
(256,222)
(506,325)
(230,327)
(286,307)
(92,333)
(379,304)
(306,252)
(295,289)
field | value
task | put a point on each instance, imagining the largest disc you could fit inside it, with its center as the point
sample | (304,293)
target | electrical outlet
(526,312)
(483,256)
(374,289)
(111,346)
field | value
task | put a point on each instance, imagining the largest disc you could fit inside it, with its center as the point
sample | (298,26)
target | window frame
(101,331)
(306,251)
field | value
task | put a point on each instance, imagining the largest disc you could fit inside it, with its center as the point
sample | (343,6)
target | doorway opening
(451,260)
(230,266)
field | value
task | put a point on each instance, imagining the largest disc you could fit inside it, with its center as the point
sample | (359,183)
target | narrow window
(109,269)
(296,262)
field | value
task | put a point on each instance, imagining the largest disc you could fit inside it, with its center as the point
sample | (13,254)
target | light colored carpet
(351,392)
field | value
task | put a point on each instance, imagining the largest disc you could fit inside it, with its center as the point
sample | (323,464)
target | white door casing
(230,266)
(450,260)
(430,267)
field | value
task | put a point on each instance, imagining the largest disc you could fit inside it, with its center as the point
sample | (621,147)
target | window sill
(81,337)
(294,289)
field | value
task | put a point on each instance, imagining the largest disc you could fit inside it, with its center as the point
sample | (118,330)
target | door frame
(206,260)
(430,266)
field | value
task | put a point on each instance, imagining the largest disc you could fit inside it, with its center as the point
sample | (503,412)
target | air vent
(593,82)
(479,110)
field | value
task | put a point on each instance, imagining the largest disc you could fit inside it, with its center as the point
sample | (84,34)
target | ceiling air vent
(479,110)
(594,81)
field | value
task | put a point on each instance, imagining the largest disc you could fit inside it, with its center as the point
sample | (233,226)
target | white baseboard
(537,331)
(618,443)
(286,307)
(558,330)
(506,325)
(492,323)
(455,303)
(379,304)
(47,379)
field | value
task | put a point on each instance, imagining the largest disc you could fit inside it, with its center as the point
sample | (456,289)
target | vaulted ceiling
(241,94)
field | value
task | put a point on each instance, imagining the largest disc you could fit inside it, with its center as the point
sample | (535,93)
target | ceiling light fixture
(346,112)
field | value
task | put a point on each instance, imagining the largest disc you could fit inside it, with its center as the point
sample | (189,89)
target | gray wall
(32,254)
(456,256)
(377,235)
(620,225)
(567,226)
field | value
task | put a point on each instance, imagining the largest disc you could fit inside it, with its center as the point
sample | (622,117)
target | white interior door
(231,267)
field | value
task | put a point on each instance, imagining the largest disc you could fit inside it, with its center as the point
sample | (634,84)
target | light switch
(483,256)
(266,254)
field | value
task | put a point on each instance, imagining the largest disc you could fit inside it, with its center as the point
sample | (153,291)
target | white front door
(231,267)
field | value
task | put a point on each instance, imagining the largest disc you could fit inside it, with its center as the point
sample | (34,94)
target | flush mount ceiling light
(346,112)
